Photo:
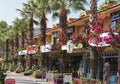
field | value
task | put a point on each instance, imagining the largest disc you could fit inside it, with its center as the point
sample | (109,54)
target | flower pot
(38,76)
(92,82)
(83,82)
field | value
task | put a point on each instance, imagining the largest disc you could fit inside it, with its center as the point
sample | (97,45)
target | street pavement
(21,79)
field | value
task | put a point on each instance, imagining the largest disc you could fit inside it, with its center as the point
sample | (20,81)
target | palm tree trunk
(23,39)
(12,44)
(93,62)
(43,36)
(7,50)
(31,28)
(43,28)
(31,38)
(93,10)
(17,42)
(93,51)
(63,20)
(63,26)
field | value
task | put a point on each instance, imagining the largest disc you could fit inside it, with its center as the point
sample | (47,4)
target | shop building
(110,16)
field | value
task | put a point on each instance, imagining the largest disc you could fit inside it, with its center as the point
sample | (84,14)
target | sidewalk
(21,79)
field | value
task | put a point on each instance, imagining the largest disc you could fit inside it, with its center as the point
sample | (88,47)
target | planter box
(18,72)
(58,80)
(84,82)
(27,74)
(76,81)
(50,80)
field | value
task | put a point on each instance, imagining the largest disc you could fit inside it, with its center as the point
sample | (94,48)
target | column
(84,64)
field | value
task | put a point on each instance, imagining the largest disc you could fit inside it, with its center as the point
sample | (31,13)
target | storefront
(115,21)
(112,58)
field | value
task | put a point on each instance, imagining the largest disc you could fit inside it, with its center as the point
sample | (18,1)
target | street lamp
(70,47)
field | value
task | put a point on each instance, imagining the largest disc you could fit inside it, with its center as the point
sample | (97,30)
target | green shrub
(28,72)
(57,75)
(2,76)
(37,74)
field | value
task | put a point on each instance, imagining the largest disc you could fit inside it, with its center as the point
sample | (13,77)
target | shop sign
(22,52)
(49,76)
(9,80)
(67,78)
(32,49)
(63,47)
(113,25)
(115,16)
(46,48)
(32,52)
(78,46)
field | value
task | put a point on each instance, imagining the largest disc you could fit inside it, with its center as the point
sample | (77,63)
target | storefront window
(115,21)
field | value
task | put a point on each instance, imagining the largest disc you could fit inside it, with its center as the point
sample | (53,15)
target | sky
(8,11)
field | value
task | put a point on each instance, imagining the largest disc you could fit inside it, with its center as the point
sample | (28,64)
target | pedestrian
(80,70)
(106,73)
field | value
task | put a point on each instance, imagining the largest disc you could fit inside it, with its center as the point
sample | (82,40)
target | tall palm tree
(11,35)
(4,31)
(16,29)
(93,50)
(23,29)
(62,7)
(28,13)
(42,8)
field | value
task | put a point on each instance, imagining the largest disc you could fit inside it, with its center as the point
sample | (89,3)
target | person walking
(80,70)
(106,71)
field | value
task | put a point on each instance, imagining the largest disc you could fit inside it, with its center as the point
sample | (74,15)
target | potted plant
(37,74)
(84,80)
(92,81)
(12,66)
(18,69)
(28,71)
(2,76)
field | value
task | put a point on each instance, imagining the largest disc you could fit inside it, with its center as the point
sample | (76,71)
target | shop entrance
(75,64)
(113,61)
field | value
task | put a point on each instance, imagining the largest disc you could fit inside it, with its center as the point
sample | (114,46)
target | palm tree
(28,13)
(42,8)
(4,31)
(23,29)
(62,7)
(16,30)
(11,40)
(93,50)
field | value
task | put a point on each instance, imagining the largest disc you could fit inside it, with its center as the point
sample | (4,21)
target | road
(21,79)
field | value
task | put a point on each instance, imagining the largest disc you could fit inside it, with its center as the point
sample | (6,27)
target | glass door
(113,68)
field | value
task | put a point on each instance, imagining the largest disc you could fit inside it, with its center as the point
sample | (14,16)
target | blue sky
(8,11)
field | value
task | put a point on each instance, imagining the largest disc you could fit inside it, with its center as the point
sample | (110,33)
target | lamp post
(70,47)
